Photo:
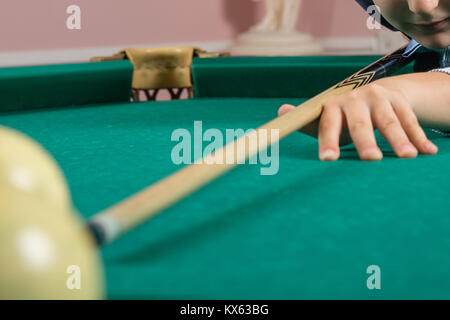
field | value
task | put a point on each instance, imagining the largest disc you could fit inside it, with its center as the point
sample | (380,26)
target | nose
(422,6)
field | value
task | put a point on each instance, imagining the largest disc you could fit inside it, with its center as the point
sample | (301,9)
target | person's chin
(435,42)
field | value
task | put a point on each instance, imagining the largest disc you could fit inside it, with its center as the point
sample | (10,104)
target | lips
(434,26)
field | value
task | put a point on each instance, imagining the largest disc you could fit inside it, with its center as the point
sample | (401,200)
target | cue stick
(109,224)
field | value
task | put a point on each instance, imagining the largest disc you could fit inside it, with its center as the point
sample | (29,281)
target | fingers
(285,108)
(391,129)
(309,129)
(360,126)
(360,113)
(329,132)
(330,128)
(413,130)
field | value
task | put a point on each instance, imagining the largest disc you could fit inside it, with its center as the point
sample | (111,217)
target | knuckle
(358,124)
(353,95)
(388,123)
(411,123)
(401,98)
(328,105)
(326,124)
(352,107)
(373,90)
(332,102)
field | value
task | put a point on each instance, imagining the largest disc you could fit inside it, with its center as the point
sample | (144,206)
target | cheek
(393,10)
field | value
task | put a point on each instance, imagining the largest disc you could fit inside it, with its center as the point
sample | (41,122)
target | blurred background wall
(41,24)
(35,32)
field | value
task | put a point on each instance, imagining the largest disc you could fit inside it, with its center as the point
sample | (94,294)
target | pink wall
(40,24)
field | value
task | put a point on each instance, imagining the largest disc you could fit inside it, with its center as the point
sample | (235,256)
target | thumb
(285,108)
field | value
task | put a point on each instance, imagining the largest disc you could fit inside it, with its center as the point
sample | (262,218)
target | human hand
(354,115)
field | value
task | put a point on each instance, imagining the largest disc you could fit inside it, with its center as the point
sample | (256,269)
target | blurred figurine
(280,15)
(276,34)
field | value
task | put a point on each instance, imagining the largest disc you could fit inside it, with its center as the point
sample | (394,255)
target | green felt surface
(308,232)
(54,86)
(34,87)
(275,77)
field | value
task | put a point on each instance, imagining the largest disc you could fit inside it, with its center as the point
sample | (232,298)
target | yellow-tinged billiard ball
(26,166)
(45,253)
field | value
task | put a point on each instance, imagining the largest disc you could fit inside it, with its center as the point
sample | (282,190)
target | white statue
(276,34)
(280,15)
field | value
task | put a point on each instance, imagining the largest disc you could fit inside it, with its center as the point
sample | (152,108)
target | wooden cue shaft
(110,223)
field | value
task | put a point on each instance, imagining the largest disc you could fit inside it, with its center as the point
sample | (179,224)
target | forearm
(429,96)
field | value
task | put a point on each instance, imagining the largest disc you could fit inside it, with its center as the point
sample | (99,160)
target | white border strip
(59,56)
(348,45)
(338,46)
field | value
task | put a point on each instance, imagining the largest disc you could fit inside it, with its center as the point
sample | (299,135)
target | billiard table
(312,231)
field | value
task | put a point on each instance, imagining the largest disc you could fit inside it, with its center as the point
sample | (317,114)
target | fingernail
(372,154)
(285,108)
(407,150)
(431,148)
(328,155)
